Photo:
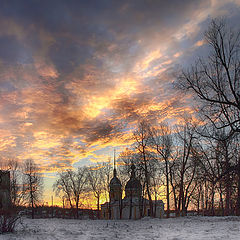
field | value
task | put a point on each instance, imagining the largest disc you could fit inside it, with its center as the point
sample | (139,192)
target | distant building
(5,199)
(133,205)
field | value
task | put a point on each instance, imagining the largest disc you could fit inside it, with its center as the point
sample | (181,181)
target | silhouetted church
(133,205)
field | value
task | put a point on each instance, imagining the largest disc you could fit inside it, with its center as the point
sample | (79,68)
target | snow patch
(191,228)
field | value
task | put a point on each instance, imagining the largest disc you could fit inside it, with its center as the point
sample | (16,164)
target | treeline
(176,164)
(187,169)
(85,184)
(214,82)
(73,187)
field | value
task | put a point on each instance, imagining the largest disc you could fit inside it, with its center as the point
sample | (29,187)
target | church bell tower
(115,186)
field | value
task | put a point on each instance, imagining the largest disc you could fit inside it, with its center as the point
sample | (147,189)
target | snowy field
(178,228)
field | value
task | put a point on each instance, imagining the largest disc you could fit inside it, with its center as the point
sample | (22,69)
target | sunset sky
(76,76)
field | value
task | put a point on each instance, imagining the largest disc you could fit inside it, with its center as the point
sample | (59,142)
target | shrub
(8,221)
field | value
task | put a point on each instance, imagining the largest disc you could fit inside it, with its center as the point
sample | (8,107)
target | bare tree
(216,80)
(62,188)
(162,142)
(95,181)
(107,171)
(32,183)
(17,188)
(156,172)
(236,150)
(142,137)
(71,184)
(183,169)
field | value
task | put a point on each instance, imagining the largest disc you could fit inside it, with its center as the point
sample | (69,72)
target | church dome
(115,188)
(133,187)
(115,181)
(133,183)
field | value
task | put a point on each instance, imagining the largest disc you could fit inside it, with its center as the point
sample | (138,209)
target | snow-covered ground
(176,228)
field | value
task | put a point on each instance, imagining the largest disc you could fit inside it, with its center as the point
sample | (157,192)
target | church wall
(125,213)
(160,210)
(135,212)
(115,211)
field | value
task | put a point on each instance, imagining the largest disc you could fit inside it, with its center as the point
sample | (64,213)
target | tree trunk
(150,200)
(77,202)
(31,196)
(32,209)
(202,199)
(198,203)
(130,208)
(147,184)
(206,196)
(212,201)
(180,200)
(109,211)
(221,199)
(238,190)
(98,206)
(228,194)
(167,193)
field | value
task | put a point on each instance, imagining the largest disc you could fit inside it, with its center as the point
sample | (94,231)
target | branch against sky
(216,79)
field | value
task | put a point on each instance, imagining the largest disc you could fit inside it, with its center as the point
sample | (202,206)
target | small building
(5,199)
(133,205)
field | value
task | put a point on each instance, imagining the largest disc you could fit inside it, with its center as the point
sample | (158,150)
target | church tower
(133,188)
(115,186)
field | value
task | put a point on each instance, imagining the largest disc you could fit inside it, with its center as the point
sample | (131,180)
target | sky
(77,76)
